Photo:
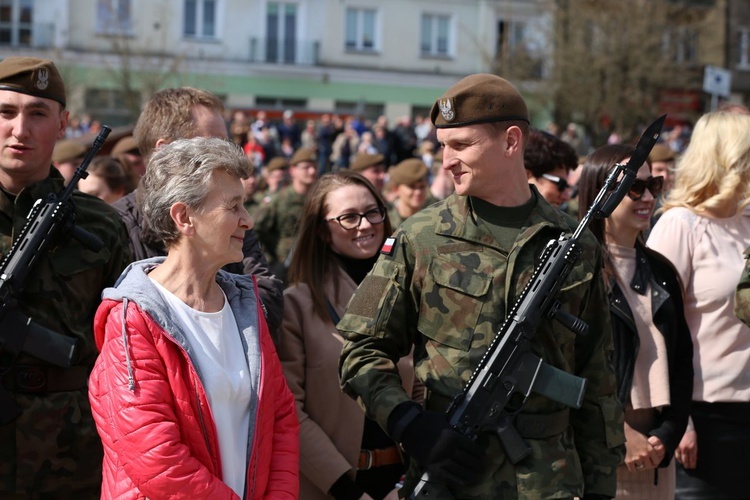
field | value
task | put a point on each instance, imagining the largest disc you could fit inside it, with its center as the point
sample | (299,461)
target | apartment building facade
(368,57)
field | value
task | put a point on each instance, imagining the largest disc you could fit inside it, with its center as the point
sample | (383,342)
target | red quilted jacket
(156,426)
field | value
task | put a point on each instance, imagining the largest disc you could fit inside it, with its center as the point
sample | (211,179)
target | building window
(361,29)
(435,35)
(200,18)
(15,22)
(106,105)
(266,102)
(681,45)
(281,32)
(743,49)
(113,17)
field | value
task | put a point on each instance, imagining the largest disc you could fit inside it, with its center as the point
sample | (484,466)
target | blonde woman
(704,230)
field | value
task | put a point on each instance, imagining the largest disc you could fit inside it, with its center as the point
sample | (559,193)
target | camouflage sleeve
(379,327)
(266,228)
(742,295)
(598,424)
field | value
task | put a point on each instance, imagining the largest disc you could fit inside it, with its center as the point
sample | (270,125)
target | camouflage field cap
(407,172)
(364,161)
(277,163)
(480,98)
(303,154)
(661,152)
(68,150)
(32,76)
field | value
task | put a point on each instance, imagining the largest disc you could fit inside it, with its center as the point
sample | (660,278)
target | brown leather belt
(378,458)
(41,379)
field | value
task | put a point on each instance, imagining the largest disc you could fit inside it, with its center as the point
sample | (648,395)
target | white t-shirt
(215,341)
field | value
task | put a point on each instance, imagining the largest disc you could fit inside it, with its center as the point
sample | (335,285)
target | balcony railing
(284,51)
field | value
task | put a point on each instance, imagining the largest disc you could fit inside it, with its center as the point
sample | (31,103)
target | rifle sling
(528,425)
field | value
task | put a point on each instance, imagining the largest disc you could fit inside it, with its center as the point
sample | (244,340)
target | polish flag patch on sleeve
(388,246)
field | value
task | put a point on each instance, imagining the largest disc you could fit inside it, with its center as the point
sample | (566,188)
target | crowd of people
(287,310)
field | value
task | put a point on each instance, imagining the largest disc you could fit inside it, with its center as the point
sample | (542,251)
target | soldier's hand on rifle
(446,454)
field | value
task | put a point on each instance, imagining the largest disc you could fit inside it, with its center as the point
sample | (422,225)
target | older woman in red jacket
(188,393)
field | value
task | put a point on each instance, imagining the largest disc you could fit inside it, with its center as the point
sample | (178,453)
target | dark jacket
(666,303)
(144,245)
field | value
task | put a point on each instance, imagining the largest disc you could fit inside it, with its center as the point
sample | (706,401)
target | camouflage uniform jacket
(445,288)
(742,295)
(276,225)
(53,445)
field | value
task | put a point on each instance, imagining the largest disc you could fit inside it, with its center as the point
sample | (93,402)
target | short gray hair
(181,171)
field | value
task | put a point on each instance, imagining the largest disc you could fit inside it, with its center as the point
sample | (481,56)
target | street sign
(717,81)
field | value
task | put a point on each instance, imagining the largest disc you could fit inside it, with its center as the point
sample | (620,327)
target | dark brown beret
(68,150)
(277,163)
(125,145)
(303,154)
(32,76)
(480,98)
(661,152)
(364,161)
(407,172)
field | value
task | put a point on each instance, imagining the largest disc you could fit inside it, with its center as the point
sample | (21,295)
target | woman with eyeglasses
(548,161)
(703,231)
(343,455)
(652,344)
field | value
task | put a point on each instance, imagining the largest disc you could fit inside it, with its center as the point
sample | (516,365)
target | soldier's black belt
(528,425)
(42,379)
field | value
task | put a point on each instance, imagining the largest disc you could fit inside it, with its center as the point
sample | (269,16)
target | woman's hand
(642,452)
(687,452)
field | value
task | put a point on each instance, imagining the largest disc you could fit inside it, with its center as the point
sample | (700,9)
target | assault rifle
(509,370)
(48,220)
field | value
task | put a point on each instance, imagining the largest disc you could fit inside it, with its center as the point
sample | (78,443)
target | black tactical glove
(446,454)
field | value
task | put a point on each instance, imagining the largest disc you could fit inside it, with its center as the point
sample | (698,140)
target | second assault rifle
(509,370)
(49,220)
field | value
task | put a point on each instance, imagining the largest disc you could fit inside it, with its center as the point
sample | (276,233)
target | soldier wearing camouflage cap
(276,223)
(443,286)
(51,449)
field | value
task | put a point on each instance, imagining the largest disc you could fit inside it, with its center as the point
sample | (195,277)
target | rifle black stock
(509,371)
(48,220)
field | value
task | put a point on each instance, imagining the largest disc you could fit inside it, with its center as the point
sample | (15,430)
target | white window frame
(433,20)
(108,17)
(200,14)
(15,26)
(360,44)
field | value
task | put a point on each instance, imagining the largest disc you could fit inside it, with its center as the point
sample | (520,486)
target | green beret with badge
(480,98)
(32,76)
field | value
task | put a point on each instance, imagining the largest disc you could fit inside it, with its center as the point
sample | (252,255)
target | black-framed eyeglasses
(353,220)
(561,183)
(653,184)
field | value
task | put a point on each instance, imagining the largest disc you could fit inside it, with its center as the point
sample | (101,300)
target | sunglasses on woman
(653,184)
(561,183)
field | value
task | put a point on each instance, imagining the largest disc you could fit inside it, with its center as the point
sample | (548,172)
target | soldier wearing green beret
(51,450)
(276,223)
(273,179)
(372,167)
(443,285)
(410,188)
